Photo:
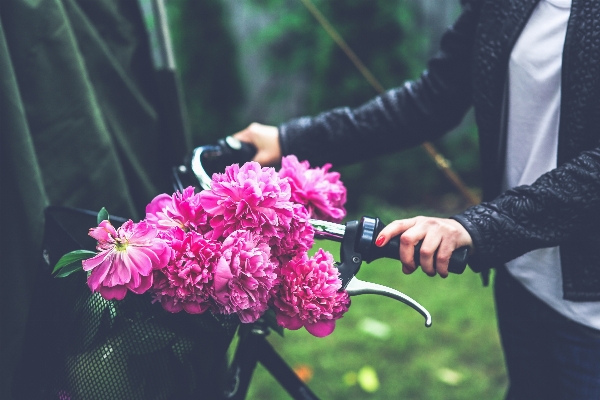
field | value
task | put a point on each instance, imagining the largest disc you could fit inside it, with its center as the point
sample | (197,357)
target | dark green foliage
(206,60)
(373,29)
(387,37)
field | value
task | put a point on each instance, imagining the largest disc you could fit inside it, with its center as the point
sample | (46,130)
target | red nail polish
(380,241)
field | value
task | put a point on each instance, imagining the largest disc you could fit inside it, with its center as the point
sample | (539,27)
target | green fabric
(78,127)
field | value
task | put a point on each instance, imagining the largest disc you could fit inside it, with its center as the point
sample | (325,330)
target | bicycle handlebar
(207,159)
(357,237)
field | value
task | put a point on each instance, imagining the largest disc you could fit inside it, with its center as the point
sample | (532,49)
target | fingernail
(380,241)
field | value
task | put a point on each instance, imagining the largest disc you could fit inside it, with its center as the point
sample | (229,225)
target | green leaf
(69,269)
(73,257)
(102,215)
(271,320)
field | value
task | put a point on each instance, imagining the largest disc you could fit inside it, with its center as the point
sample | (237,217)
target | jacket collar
(502,23)
(580,80)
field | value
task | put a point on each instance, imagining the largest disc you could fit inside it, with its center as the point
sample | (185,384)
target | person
(530,70)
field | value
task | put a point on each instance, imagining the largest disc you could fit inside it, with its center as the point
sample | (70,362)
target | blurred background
(243,61)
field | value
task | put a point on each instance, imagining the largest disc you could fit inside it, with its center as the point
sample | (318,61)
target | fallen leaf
(350,378)
(449,376)
(375,328)
(304,372)
(367,379)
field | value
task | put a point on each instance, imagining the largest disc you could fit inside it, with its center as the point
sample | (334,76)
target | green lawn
(459,357)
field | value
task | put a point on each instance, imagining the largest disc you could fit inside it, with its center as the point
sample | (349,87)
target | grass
(459,357)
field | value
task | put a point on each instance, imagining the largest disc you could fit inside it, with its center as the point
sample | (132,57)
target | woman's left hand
(440,236)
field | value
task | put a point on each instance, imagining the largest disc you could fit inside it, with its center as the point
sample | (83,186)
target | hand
(266,140)
(441,236)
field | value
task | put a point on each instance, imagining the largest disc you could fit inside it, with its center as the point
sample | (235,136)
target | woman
(530,69)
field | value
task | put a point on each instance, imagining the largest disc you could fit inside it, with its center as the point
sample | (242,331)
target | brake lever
(351,259)
(356,287)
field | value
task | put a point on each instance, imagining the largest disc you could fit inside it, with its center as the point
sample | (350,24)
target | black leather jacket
(561,208)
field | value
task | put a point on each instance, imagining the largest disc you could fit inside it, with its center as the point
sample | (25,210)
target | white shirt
(534,80)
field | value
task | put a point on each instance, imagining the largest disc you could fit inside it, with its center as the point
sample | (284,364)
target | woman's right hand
(266,140)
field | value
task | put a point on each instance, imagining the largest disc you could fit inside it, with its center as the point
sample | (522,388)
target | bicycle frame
(252,348)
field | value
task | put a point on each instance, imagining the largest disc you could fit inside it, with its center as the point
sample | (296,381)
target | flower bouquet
(239,248)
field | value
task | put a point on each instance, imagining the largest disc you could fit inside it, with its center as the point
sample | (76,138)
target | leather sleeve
(419,111)
(559,207)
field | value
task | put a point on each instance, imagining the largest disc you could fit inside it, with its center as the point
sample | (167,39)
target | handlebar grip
(227,151)
(458,259)
(241,152)
(368,232)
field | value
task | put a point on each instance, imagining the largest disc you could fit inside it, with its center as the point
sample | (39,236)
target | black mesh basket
(80,346)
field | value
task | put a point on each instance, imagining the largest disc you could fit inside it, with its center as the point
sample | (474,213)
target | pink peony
(295,240)
(250,198)
(181,210)
(186,282)
(309,294)
(245,276)
(320,191)
(126,260)
(154,210)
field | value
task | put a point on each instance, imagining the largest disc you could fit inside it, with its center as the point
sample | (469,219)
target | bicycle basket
(80,346)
